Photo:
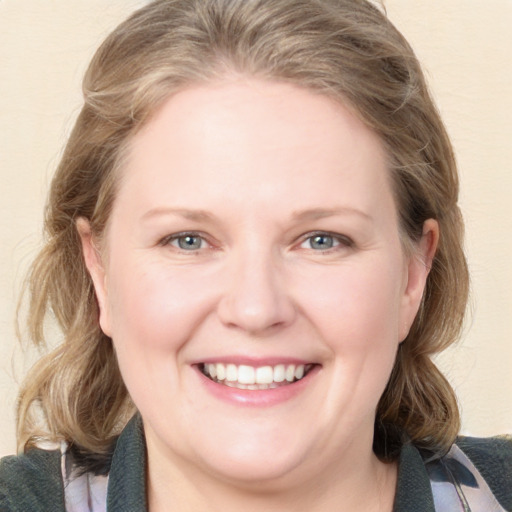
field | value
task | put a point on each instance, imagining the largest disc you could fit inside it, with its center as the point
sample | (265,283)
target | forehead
(248,139)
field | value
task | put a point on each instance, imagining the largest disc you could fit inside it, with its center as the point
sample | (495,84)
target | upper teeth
(248,375)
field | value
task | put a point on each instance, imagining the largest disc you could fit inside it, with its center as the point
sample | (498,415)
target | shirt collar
(127,478)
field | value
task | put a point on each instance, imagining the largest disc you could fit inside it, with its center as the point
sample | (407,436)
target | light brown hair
(346,49)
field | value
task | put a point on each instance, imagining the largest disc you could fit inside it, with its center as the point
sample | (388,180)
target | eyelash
(168,240)
(340,241)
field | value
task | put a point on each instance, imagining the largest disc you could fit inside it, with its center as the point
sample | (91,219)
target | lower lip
(257,397)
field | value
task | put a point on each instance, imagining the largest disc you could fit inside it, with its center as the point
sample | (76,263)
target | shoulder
(493,459)
(31,482)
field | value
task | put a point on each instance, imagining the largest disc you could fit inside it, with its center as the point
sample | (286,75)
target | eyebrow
(193,215)
(297,216)
(322,213)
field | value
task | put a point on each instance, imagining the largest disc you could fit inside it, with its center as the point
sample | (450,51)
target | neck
(361,484)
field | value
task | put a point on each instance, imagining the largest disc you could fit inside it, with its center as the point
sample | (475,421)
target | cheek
(355,306)
(356,313)
(154,307)
(154,314)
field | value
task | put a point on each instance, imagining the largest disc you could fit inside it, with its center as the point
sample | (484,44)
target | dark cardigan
(33,482)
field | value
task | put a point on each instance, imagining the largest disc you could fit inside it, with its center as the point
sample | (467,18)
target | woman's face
(254,282)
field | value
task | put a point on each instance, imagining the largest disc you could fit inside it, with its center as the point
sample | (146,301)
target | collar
(413,491)
(127,477)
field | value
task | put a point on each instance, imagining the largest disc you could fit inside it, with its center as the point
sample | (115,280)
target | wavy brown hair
(345,49)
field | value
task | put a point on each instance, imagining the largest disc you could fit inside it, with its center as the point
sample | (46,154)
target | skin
(272,165)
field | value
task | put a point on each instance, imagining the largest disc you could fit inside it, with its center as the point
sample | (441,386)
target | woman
(254,248)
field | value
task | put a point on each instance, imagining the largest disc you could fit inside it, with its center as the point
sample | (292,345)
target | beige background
(465,46)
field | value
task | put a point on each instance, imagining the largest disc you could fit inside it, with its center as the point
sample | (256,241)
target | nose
(256,299)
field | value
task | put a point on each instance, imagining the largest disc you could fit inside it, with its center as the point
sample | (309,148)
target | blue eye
(189,242)
(185,241)
(325,241)
(321,242)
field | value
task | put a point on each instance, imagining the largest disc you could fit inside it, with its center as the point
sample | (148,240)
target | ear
(94,264)
(418,268)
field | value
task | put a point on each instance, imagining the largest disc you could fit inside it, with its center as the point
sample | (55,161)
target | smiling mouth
(255,378)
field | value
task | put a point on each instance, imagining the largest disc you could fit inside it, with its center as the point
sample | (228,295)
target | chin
(269,470)
(256,455)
